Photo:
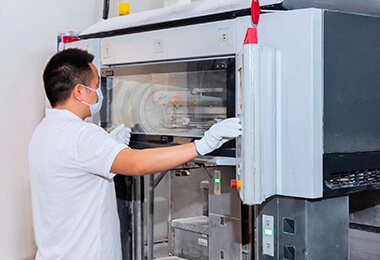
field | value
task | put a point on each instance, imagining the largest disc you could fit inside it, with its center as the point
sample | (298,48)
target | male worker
(72,164)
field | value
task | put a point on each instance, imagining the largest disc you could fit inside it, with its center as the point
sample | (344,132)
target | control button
(268,232)
(159,46)
(235,184)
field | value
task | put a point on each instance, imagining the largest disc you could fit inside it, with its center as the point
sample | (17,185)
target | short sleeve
(96,150)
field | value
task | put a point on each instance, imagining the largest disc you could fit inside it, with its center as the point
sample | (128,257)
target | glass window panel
(184,103)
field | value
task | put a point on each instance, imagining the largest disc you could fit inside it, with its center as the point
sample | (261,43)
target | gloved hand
(122,134)
(218,134)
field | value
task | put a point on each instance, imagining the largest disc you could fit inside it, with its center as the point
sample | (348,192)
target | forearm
(130,162)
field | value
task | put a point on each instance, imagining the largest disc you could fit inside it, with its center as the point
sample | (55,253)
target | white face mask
(95,108)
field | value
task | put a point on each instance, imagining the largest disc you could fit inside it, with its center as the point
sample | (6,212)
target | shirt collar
(61,113)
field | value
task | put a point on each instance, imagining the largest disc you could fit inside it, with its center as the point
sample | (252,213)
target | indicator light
(268,232)
(217,180)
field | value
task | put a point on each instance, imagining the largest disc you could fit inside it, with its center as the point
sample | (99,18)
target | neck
(80,110)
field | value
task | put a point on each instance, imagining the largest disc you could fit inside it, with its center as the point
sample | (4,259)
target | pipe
(106,8)
(142,215)
(138,225)
(158,179)
(133,220)
(204,170)
(151,217)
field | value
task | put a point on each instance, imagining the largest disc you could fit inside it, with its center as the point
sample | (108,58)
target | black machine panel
(351,103)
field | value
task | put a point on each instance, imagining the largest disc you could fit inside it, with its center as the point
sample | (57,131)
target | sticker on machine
(202,242)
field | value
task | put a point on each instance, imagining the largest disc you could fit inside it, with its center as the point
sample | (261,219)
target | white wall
(136,6)
(28,35)
(28,38)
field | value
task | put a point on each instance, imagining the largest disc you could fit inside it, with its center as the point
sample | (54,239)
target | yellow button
(123,8)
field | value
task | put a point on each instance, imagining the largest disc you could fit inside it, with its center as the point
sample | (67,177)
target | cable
(106,8)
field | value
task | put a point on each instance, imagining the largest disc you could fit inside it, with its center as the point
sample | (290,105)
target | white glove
(218,134)
(122,134)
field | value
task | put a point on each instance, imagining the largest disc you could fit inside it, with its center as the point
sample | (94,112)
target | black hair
(64,71)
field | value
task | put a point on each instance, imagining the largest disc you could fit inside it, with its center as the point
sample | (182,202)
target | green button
(217,180)
(268,232)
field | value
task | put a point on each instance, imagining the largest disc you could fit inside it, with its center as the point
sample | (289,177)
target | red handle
(255,11)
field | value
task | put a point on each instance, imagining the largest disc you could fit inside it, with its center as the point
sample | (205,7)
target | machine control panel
(268,235)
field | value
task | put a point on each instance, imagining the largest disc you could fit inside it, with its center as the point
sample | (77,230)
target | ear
(78,92)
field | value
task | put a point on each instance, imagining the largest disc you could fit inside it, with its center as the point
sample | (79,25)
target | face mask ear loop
(88,88)
(92,90)
(95,108)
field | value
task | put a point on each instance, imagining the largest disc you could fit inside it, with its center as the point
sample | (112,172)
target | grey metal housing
(363,7)
(314,107)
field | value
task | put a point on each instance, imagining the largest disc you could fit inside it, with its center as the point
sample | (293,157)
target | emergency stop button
(235,184)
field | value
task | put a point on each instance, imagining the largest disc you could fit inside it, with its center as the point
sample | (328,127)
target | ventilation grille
(352,179)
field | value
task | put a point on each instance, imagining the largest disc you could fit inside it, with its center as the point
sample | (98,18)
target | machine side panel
(224,216)
(368,7)
(302,229)
(352,83)
(297,38)
(327,226)
(225,238)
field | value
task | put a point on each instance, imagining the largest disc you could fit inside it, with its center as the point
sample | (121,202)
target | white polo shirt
(73,195)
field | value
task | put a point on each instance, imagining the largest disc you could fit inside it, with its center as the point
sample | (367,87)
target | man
(72,164)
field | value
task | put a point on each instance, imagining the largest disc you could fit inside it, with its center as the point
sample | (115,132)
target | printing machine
(306,89)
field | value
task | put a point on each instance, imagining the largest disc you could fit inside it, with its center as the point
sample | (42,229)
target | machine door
(181,98)
(248,108)
(256,106)
(280,102)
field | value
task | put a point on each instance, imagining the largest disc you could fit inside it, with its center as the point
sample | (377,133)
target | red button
(235,184)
